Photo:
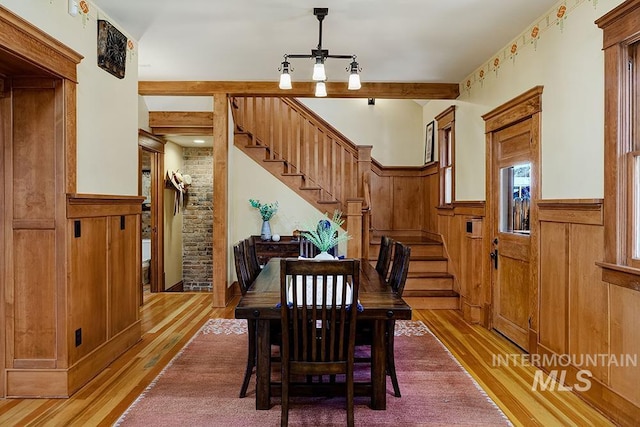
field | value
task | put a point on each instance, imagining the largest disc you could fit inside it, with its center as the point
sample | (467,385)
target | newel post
(364,167)
(354,227)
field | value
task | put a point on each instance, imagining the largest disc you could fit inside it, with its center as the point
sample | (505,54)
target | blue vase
(265,234)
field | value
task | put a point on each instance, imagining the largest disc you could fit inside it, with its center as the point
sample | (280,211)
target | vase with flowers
(267,210)
(326,234)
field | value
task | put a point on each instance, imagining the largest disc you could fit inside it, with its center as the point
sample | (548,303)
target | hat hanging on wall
(180,183)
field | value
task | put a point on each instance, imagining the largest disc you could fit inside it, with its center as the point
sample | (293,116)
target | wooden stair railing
(306,153)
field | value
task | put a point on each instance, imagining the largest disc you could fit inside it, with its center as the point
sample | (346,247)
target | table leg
(378,367)
(263,366)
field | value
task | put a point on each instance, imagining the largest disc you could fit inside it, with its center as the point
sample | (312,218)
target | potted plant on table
(326,234)
(267,210)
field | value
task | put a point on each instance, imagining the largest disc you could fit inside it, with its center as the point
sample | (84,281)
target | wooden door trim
(24,40)
(155,146)
(519,108)
(525,106)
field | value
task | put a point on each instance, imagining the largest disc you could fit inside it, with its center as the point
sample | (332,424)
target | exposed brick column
(197,225)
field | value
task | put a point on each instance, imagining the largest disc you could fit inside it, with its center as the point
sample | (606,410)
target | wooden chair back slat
(318,332)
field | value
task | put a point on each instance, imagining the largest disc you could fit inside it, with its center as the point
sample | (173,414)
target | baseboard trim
(178,287)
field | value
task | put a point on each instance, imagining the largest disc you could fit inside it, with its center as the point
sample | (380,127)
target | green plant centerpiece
(267,210)
(326,233)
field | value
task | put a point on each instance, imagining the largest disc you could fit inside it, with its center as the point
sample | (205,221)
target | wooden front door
(512,190)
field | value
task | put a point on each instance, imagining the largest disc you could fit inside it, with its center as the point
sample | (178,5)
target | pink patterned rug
(201,384)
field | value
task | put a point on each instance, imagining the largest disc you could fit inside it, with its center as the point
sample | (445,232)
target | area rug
(201,384)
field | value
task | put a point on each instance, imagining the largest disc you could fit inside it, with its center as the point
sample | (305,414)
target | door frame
(526,106)
(147,142)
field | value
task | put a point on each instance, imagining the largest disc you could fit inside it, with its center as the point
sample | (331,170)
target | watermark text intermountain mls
(556,379)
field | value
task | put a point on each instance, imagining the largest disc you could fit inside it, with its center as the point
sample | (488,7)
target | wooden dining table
(379,304)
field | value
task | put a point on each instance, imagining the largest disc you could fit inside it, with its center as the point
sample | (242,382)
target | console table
(286,247)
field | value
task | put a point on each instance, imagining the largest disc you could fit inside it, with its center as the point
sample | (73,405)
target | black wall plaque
(112,49)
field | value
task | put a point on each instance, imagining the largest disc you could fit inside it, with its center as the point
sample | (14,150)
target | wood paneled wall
(583,315)
(65,332)
(404,199)
(460,227)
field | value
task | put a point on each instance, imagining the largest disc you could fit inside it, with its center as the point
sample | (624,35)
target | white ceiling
(427,41)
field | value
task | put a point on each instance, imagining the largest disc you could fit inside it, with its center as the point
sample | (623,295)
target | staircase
(429,285)
(327,170)
(301,150)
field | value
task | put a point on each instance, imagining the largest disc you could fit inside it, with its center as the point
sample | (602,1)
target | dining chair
(364,329)
(253,266)
(397,279)
(307,249)
(318,320)
(384,256)
(244,282)
(242,269)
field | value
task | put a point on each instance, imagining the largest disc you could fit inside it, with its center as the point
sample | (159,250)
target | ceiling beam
(301,89)
(182,131)
(181,119)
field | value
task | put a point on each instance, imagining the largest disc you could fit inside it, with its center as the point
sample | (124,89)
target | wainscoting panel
(554,272)
(581,315)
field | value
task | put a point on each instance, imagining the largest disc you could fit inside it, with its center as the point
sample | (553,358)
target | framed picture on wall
(112,49)
(429,141)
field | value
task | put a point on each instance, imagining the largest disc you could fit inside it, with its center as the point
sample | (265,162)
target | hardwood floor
(169,320)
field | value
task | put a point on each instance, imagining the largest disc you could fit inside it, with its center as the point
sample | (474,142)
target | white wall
(173,160)
(567,60)
(107,145)
(251,181)
(392,126)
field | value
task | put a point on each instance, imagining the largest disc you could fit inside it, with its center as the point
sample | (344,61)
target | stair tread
(435,293)
(430,275)
(409,240)
(428,258)
(292,174)
(310,188)
(328,202)
(274,160)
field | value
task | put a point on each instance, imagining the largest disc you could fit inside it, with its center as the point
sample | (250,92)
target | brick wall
(197,224)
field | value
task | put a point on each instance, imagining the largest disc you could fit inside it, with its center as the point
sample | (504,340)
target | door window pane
(515,199)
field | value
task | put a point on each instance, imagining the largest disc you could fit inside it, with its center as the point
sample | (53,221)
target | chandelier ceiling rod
(320,55)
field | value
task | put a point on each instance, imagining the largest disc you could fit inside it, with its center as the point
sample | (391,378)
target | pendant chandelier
(320,55)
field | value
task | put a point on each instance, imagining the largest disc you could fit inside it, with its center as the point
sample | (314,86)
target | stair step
(328,202)
(432,300)
(427,264)
(310,188)
(420,246)
(292,174)
(426,249)
(432,281)
(275,161)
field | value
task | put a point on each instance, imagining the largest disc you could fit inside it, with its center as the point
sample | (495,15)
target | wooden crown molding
(301,89)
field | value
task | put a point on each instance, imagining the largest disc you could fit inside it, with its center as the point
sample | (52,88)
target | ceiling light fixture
(320,55)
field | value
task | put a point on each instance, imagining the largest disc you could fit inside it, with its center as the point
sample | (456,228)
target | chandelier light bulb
(321,89)
(318,72)
(285,81)
(354,81)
